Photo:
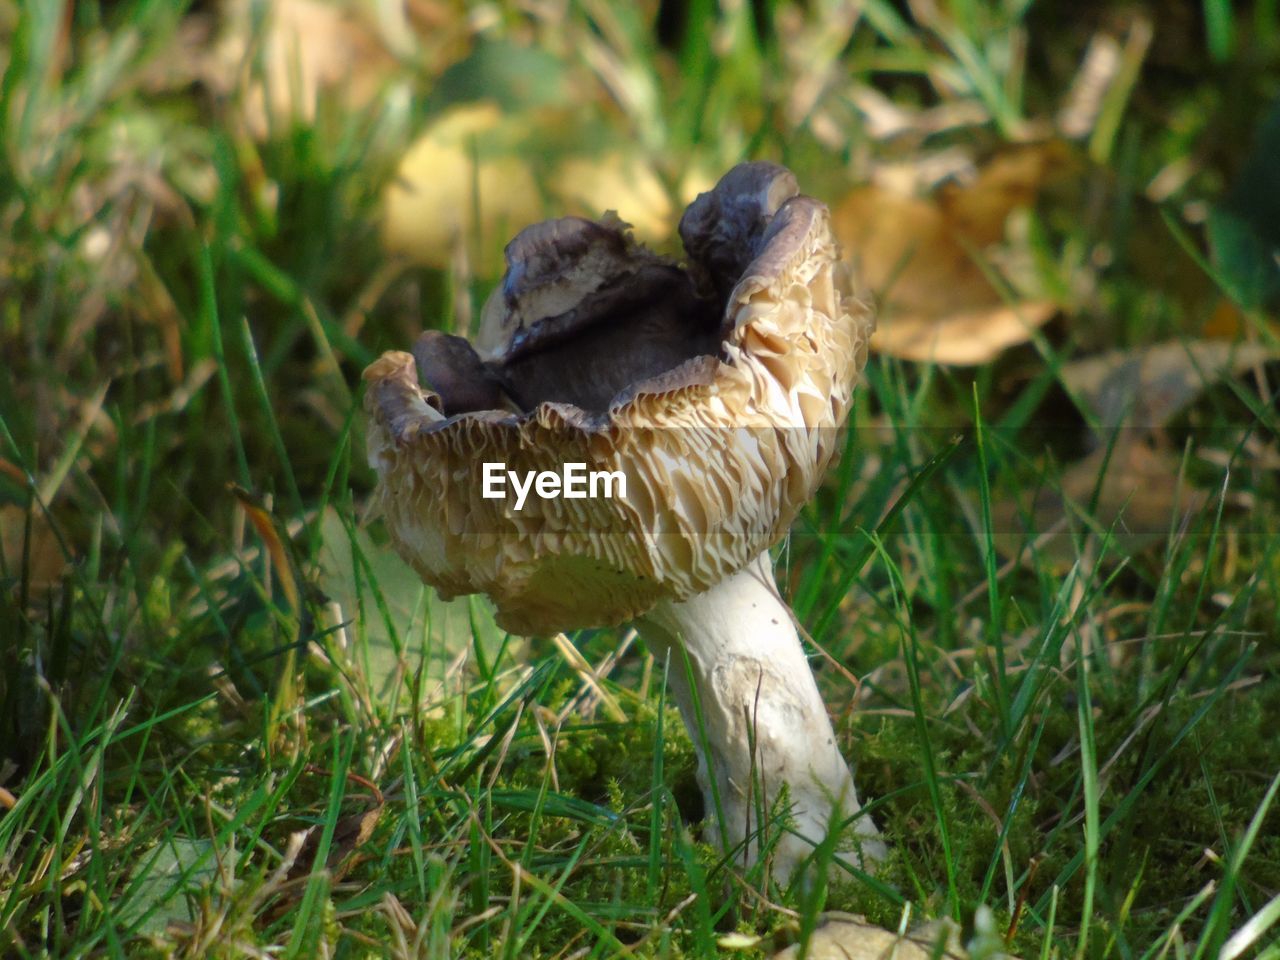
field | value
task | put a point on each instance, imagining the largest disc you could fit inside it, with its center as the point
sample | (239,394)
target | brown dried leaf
(966,338)
(920,256)
(44,553)
(1136,497)
(1148,386)
(852,938)
(350,833)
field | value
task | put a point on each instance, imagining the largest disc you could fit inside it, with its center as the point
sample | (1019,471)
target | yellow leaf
(449,176)
(615,181)
(921,257)
(966,338)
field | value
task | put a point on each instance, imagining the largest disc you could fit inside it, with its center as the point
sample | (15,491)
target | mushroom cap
(717,392)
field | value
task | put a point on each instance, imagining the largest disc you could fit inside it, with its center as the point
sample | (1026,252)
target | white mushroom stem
(755,689)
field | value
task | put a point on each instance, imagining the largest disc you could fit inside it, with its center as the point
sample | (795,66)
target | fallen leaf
(1149,386)
(350,833)
(1141,391)
(462,189)
(43,554)
(921,256)
(616,181)
(967,338)
(852,938)
(978,211)
(167,882)
(471,182)
(1141,489)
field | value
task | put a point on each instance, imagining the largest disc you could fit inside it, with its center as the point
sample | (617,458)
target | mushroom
(715,391)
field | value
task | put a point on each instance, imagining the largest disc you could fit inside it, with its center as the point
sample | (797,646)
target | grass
(232,724)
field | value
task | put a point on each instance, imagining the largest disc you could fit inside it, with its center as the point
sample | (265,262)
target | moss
(1209,785)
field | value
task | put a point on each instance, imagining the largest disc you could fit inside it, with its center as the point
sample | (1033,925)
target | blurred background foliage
(338,176)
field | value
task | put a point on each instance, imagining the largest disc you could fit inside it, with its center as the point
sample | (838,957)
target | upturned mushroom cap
(716,390)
